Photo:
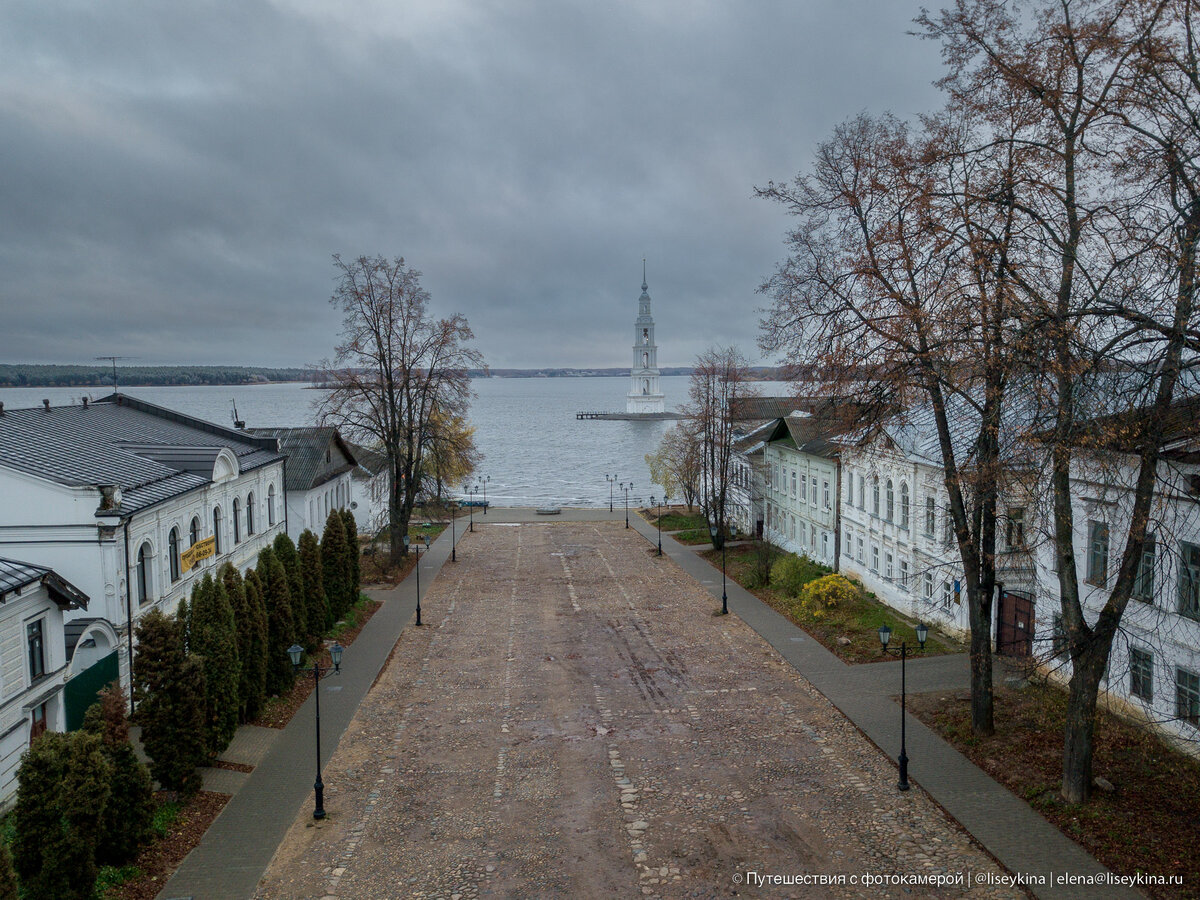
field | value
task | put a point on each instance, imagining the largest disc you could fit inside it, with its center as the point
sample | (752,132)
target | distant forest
(143,376)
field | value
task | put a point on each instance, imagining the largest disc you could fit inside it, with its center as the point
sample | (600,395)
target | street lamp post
(712,530)
(611,479)
(885,635)
(659,519)
(453,516)
(335,654)
(417,568)
(483,480)
(469,491)
(626,488)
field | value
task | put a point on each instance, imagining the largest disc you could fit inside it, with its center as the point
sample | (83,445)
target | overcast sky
(176,176)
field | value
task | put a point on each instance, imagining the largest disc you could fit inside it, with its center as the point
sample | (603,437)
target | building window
(948,530)
(874,559)
(860,550)
(237,520)
(812,490)
(36,646)
(1143,582)
(194,531)
(1059,644)
(793,518)
(1015,528)
(1141,674)
(217,529)
(875,496)
(793,484)
(38,724)
(1097,570)
(824,545)
(143,574)
(849,488)
(947,593)
(812,538)
(929,586)
(1189,580)
(173,553)
(862,491)
(887,566)
(825,493)
(904,574)
(1187,696)
(904,505)
(891,502)
(250,514)
(930,517)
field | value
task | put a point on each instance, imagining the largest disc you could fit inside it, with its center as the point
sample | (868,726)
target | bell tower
(645,394)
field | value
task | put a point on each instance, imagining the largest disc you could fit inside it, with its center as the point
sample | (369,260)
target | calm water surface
(535,450)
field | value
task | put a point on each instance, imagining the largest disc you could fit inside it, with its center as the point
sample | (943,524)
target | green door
(80,692)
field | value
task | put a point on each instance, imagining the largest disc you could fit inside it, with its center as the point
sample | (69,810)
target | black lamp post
(469,492)
(885,634)
(922,634)
(713,531)
(335,654)
(417,568)
(626,488)
(453,515)
(483,480)
(659,519)
(611,479)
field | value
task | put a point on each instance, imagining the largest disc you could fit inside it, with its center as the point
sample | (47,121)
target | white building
(320,466)
(372,479)
(645,392)
(132,502)
(33,661)
(800,455)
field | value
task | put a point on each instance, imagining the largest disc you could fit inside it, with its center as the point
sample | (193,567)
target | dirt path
(575,722)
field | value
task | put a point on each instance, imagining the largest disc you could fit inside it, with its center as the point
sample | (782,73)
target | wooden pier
(629,417)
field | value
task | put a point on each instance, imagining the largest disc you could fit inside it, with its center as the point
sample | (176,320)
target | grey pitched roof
(15,574)
(370,462)
(150,452)
(305,449)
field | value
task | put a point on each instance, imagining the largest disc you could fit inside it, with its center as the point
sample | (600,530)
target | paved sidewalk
(1024,842)
(239,845)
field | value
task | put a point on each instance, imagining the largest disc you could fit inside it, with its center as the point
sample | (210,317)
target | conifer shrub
(790,573)
(316,607)
(63,787)
(8,875)
(213,637)
(170,695)
(824,594)
(335,568)
(125,822)
(354,554)
(280,625)
(286,551)
(257,628)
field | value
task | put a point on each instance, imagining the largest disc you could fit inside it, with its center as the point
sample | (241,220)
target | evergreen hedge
(335,568)
(258,641)
(286,551)
(213,637)
(316,607)
(281,630)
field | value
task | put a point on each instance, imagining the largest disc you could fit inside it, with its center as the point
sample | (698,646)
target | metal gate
(1014,626)
(80,692)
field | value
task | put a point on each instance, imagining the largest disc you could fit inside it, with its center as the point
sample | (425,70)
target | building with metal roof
(320,467)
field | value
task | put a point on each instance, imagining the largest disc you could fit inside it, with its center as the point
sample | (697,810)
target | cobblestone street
(574,722)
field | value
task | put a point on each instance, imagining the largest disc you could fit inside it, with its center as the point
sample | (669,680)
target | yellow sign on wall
(198,551)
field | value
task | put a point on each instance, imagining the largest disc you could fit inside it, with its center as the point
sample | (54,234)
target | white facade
(309,509)
(645,392)
(800,494)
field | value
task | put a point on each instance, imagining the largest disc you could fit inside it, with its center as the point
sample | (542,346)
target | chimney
(46,404)
(85,402)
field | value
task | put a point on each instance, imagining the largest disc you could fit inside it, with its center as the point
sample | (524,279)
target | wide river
(534,449)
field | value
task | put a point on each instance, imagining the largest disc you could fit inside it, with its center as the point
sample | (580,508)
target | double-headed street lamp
(335,654)
(469,491)
(453,516)
(626,488)
(653,502)
(713,531)
(611,479)
(483,480)
(885,635)
(417,550)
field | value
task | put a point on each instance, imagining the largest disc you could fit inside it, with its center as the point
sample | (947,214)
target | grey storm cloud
(176,176)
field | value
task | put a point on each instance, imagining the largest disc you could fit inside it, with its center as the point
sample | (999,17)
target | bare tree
(677,462)
(396,369)
(719,380)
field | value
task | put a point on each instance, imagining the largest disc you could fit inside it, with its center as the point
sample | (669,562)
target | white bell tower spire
(645,394)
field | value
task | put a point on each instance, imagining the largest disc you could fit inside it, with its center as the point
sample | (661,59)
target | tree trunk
(398,516)
(982,722)
(1079,733)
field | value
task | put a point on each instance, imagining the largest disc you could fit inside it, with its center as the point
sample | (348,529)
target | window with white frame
(825,493)
(35,646)
(812,490)
(887,566)
(1141,674)
(194,532)
(903,574)
(144,577)
(1189,580)
(812,538)
(875,496)
(890,498)
(1187,696)
(793,484)
(860,550)
(1143,581)
(947,593)
(930,517)
(874,559)
(904,505)
(862,492)
(849,488)
(929,586)
(1097,568)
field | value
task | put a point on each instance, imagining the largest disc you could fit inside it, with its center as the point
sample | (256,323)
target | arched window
(271,505)
(250,514)
(891,502)
(173,553)
(237,525)
(904,504)
(194,531)
(144,585)
(875,496)
(217,529)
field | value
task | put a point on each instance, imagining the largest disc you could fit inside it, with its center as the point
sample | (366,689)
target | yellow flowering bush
(826,593)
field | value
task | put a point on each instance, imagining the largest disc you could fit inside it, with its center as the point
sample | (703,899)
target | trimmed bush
(353,554)
(826,593)
(258,639)
(281,629)
(335,568)
(790,573)
(316,607)
(213,637)
(286,551)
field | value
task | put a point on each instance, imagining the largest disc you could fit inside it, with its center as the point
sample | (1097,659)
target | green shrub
(790,573)
(281,629)
(8,878)
(823,594)
(214,638)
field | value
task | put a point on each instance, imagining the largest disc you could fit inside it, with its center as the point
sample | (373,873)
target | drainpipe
(128,609)
(283,491)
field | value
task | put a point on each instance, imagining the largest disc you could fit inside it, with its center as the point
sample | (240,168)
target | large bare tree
(719,381)
(396,374)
